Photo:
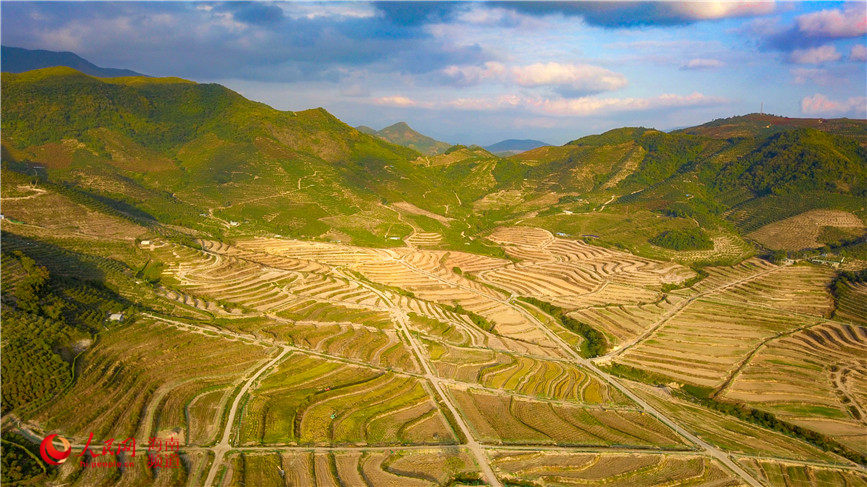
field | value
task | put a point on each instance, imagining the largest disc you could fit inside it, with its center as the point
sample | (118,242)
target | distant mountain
(762,124)
(18,60)
(510,147)
(402,134)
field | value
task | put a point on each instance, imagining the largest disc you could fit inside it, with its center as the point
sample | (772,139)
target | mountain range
(166,151)
(510,147)
(18,60)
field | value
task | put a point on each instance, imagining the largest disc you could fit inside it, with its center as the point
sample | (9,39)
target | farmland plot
(814,378)
(420,467)
(705,341)
(729,433)
(307,400)
(573,266)
(549,379)
(143,371)
(626,322)
(852,304)
(504,419)
(616,469)
(781,474)
(797,288)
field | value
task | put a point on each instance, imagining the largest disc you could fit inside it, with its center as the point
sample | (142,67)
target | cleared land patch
(802,231)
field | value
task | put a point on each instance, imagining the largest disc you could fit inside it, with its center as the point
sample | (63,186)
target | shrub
(683,239)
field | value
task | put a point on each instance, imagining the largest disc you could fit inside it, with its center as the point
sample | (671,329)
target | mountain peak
(401,133)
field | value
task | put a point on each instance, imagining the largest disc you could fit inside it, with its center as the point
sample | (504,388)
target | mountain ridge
(18,60)
(176,150)
(510,147)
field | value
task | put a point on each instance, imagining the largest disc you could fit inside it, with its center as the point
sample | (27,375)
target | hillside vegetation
(203,157)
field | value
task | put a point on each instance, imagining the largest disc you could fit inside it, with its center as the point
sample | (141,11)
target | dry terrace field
(314,363)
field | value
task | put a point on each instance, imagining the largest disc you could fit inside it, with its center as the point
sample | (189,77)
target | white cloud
(858,53)
(703,63)
(396,101)
(577,77)
(568,78)
(816,55)
(820,104)
(722,9)
(298,10)
(470,75)
(851,22)
(583,106)
(592,105)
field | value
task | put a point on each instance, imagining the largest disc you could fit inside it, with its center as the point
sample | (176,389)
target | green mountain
(402,134)
(761,124)
(163,153)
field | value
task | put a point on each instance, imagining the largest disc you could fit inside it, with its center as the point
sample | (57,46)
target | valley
(300,303)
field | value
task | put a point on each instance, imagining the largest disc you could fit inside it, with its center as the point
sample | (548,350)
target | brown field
(312,363)
(144,374)
(354,468)
(802,231)
(815,378)
(798,288)
(731,434)
(706,341)
(503,419)
(621,469)
(782,474)
(852,304)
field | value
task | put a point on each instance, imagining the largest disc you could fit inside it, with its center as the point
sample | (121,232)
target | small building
(115,317)
(233,223)
(145,242)
(567,212)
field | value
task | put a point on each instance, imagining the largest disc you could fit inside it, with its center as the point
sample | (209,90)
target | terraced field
(814,377)
(415,468)
(509,420)
(622,469)
(312,363)
(704,342)
(308,400)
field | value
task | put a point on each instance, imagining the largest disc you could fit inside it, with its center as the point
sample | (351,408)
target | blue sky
(485,71)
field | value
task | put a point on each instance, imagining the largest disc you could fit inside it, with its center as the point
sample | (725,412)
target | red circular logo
(52,455)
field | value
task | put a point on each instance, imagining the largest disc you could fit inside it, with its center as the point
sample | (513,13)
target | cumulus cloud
(815,28)
(566,78)
(569,77)
(703,63)
(858,53)
(722,10)
(816,55)
(835,23)
(396,101)
(820,104)
(636,14)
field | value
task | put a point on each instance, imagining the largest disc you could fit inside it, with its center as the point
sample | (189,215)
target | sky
(480,72)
